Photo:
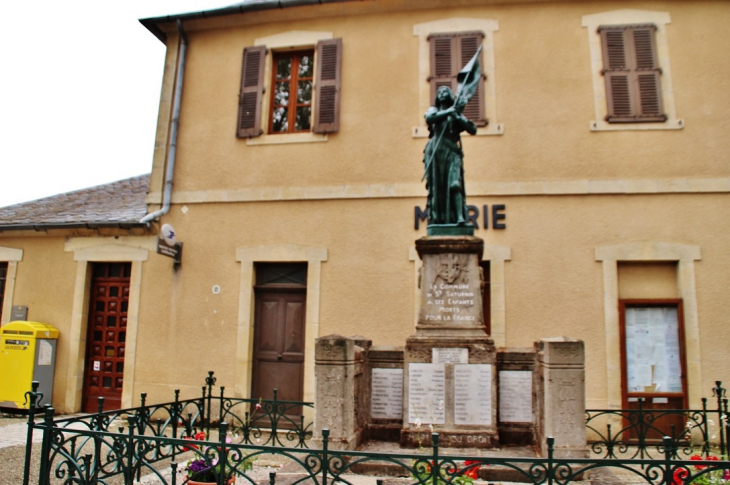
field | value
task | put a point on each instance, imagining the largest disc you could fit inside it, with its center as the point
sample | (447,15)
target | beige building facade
(599,180)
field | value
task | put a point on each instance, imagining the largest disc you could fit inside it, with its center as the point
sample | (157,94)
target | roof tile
(122,201)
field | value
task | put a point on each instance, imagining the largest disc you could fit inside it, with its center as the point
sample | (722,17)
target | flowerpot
(231,481)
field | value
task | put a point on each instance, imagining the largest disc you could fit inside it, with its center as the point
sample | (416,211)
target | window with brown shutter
(252,90)
(449,54)
(292,108)
(632,74)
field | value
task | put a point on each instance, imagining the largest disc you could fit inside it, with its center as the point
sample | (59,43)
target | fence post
(129,471)
(220,405)
(97,441)
(175,419)
(641,428)
(223,453)
(719,393)
(143,419)
(550,459)
(725,427)
(668,452)
(275,419)
(609,442)
(210,382)
(704,429)
(45,470)
(435,465)
(325,455)
(31,397)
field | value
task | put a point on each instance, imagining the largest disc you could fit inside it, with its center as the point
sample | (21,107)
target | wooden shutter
(449,54)
(443,62)
(327,86)
(475,109)
(252,90)
(631,71)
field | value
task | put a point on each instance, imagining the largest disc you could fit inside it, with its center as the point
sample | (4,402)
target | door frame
(685,256)
(134,249)
(277,253)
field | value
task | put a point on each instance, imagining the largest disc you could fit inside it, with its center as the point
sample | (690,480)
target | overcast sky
(79,92)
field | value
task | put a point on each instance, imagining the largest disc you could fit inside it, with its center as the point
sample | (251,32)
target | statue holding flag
(443,155)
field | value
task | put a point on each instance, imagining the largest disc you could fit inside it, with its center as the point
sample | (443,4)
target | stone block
(341,390)
(561,392)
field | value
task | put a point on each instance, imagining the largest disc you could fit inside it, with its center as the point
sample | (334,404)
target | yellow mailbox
(27,354)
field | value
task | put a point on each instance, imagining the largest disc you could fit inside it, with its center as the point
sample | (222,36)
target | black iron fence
(262,422)
(178,443)
(90,457)
(640,432)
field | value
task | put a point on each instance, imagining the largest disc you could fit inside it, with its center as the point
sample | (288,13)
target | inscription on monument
(426,393)
(450,296)
(515,396)
(387,394)
(449,355)
(473,394)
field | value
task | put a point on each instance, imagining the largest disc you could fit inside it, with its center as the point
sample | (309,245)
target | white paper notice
(426,393)
(387,394)
(515,396)
(472,394)
(45,352)
(449,355)
(652,350)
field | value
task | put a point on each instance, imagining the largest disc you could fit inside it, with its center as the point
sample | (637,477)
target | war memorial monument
(449,378)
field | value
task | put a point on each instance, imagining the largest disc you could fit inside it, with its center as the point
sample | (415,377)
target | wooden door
(653,363)
(279,344)
(106,336)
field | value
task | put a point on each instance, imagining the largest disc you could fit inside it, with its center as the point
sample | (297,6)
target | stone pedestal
(449,364)
(342,401)
(561,363)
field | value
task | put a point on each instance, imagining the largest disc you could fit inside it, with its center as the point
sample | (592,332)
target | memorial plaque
(515,396)
(426,393)
(387,394)
(451,293)
(449,356)
(473,394)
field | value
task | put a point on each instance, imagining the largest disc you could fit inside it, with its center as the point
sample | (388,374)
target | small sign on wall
(19,313)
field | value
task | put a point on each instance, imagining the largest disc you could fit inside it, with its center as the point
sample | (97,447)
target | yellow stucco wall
(44,282)
(350,199)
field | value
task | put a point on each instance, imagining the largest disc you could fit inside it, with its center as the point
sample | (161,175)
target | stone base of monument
(450,363)
(450,388)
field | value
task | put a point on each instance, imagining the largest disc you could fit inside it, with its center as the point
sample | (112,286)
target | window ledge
(283,139)
(498,129)
(670,124)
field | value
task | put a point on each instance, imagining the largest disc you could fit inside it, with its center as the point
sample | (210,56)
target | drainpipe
(173,131)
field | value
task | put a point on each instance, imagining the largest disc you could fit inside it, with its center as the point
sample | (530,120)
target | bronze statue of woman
(444,160)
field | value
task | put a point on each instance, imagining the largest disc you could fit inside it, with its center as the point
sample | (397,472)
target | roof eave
(39,227)
(152,23)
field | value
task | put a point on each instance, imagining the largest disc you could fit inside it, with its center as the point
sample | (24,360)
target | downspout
(174,129)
